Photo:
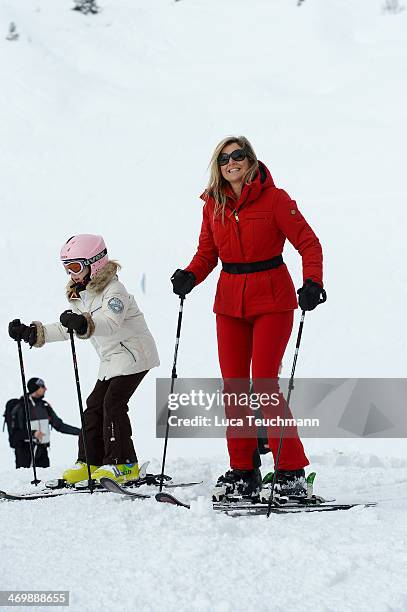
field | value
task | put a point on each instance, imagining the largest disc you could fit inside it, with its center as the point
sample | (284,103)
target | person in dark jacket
(42,417)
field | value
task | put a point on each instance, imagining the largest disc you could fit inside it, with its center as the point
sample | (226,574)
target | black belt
(254,266)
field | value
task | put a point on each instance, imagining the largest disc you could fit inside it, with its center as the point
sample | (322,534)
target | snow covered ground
(108,123)
(115,553)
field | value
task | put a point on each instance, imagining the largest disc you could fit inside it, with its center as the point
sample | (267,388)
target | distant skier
(42,417)
(102,310)
(246,221)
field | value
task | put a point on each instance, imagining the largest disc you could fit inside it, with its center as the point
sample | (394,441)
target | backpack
(9,419)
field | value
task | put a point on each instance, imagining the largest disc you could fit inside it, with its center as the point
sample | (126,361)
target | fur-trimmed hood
(115,326)
(98,283)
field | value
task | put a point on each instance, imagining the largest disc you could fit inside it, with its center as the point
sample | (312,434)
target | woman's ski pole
(78,388)
(27,411)
(173,377)
(287,403)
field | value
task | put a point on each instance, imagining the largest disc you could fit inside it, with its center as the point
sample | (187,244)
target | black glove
(310,295)
(74,322)
(18,331)
(183,282)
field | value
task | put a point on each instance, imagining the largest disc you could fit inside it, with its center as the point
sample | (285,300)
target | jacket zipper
(127,349)
(236,216)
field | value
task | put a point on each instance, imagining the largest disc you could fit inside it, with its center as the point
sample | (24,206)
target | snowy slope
(108,126)
(110,123)
(115,553)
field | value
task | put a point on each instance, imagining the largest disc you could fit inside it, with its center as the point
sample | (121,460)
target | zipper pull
(112,438)
(236,215)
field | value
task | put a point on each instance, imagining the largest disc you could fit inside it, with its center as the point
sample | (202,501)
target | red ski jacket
(255,228)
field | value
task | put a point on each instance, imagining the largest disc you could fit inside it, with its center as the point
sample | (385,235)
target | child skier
(103,311)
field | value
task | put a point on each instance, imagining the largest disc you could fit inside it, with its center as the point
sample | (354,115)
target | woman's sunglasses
(236,155)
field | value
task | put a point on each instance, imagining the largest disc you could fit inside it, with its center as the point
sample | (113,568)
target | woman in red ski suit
(246,221)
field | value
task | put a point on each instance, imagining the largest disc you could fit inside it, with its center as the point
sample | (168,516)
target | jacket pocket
(129,351)
(257,235)
(221,231)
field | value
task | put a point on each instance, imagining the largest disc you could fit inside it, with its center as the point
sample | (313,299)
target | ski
(59,487)
(235,505)
(175,485)
(114,487)
(62,490)
(167,498)
(125,489)
(46,493)
(253,509)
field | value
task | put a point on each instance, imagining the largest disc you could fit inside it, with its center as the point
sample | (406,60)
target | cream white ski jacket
(116,326)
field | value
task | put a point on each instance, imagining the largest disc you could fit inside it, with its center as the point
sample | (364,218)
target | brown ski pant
(107,423)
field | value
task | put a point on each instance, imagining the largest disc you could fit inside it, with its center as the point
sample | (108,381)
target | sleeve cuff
(90,329)
(40,334)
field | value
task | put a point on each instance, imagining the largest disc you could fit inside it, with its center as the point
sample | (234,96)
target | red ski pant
(261,342)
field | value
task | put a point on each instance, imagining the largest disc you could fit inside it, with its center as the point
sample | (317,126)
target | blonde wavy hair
(216,187)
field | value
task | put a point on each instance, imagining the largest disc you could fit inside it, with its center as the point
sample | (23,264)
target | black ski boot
(289,483)
(242,483)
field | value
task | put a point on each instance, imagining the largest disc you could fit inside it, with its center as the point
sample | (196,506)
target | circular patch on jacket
(115,305)
(293,211)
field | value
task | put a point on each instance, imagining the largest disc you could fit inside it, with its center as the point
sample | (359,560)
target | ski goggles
(76,266)
(236,155)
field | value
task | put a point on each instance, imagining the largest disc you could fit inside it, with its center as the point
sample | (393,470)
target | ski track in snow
(113,552)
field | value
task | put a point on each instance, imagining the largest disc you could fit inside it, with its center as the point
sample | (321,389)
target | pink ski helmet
(88,249)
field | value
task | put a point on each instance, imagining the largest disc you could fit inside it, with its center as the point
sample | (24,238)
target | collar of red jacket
(250,191)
